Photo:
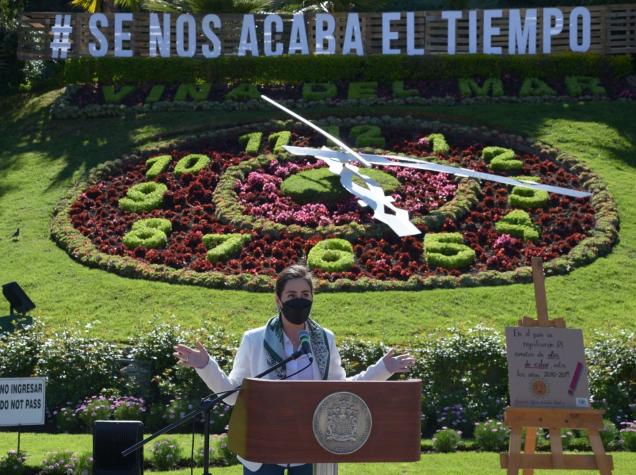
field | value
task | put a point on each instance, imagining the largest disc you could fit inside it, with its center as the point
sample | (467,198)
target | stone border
(598,243)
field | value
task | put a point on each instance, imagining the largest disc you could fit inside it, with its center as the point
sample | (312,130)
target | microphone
(305,345)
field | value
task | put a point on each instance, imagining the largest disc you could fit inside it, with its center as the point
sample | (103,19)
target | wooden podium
(276,421)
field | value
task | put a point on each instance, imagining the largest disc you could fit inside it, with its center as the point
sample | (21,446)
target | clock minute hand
(335,140)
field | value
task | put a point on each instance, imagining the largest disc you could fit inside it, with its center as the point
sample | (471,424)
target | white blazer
(251,359)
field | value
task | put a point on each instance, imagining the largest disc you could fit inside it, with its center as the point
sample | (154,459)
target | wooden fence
(613,31)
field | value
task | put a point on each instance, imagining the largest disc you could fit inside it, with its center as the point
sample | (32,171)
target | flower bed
(87,100)
(238,194)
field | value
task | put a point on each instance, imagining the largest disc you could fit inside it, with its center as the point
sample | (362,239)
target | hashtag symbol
(61,36)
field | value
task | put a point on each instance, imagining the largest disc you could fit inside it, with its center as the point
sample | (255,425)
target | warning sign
(22,401)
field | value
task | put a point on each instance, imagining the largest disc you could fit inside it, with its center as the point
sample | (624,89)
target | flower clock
(231,208)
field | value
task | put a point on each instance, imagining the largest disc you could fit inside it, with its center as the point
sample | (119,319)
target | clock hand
(335,140)
(409,162)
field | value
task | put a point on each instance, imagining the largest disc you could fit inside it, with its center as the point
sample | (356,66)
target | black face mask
(297,310)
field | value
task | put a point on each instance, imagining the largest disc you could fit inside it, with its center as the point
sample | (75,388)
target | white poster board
(22,401)
(546,368)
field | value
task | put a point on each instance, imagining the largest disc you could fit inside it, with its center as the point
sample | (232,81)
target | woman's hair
(296,271)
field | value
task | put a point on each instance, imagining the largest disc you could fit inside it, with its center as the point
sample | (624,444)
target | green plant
(628,436)
(491,436)
(519,224)
(527,198)
(157,165)
(166,454)
(224,246)
(93,409)
(363,90)
(19,350)
(62,462)
(150,233)
(319,184)
(143,197)
(501,158)
(13,463)
(243,92)
(220,453)
(447,250)
(400,91)
(190,164)
(446,440)
(319,91)
(115,97)
(332,255)
(367,136)
(578,85)
(469,87)
(535,87)
(278,139)
(609,434)
(251,142)
(197,92)
(66,420)
(439,143)
(155,94)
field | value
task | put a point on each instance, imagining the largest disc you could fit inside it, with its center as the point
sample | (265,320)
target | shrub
(220,454)
(367,136)
(319,91)
(446,440)
(519,224)
(93,409)
(243,92)
(166,454)
(464,367)
(197,92)
(115,97)
(157,165)
(628,436)
(491,436)
(447,250)
(77,367)
(535,87)
(579,85)
(609,434)
(193,163)
(319,184)
(363,90)
(331,255)
(399,90)
(439,143)
(612,368)
(13,463)
(62,462)
(469,87)
(251,142)
(66,420)
(224,246)
(501,159)
(128,408)
(19,350)
(527,198)
(143,197)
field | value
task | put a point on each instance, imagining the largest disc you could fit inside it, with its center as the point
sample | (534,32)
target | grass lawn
(40,157)
(477,463)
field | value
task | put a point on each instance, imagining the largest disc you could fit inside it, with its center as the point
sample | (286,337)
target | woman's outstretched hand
(191,358)
(398,364)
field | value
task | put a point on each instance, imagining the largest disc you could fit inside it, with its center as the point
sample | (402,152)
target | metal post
(325,469)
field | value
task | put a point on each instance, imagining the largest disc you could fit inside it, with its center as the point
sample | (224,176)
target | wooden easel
(518,418)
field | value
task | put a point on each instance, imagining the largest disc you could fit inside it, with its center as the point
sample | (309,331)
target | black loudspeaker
(110,438)
(17,298)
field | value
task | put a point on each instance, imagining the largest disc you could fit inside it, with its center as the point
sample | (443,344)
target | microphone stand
(206,406)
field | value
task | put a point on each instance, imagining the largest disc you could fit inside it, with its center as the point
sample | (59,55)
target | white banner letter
(353,36)
(522,39)
(387,34)
(249,41)
(490,31)
(215,21)
(452,16)
(97,20)
(584,14)
(272,24)
(548,30)
(325,28)
(159,36)
(298,36)
(188,21)
(121,36)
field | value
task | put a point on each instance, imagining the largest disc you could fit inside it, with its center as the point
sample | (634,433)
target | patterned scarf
(275,349)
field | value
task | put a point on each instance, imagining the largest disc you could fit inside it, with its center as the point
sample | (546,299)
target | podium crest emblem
(342,423)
